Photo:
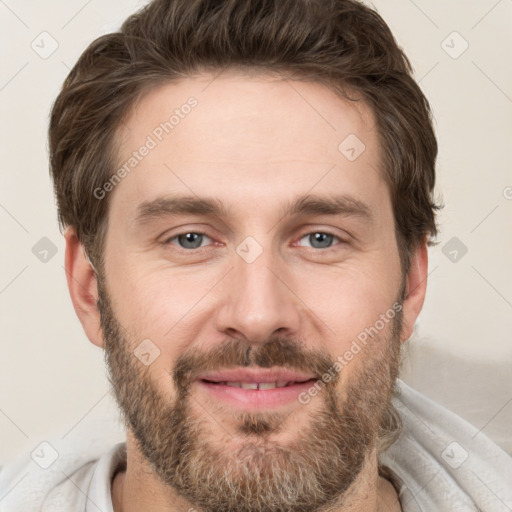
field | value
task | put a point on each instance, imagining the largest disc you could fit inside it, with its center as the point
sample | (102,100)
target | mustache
(281,352)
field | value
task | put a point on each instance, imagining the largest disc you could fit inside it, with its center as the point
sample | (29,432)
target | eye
(191,240)
(319,240)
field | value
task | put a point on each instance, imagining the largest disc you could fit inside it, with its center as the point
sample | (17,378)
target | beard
(217,468)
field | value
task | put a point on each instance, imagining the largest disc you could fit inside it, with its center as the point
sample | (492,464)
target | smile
(257,385)
(250,395)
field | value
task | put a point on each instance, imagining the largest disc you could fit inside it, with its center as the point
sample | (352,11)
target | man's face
(275,285)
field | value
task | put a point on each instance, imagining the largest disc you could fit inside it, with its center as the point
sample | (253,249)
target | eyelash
(168,240)
(198,232)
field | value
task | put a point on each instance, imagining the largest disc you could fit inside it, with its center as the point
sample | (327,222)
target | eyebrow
(329,205)
(182,205)
(308,204)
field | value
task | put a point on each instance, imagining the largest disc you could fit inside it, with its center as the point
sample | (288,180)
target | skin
(256,144)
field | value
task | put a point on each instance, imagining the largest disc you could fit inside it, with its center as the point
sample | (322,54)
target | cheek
(167,308)
(349,300)
(153,298)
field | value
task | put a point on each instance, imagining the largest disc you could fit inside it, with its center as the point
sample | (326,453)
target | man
(247,192)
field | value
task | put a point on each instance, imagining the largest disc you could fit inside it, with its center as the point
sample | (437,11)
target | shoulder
(54,477)
(440,459)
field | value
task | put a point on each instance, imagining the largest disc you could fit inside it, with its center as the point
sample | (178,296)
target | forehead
(235,136)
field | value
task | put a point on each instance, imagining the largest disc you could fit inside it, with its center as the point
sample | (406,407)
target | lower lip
(256,399)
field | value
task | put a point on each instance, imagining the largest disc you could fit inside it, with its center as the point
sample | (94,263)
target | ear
(416,287)
(82,287)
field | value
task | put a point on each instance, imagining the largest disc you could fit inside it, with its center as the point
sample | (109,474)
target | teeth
(268,385)
(249,385)
(255,385)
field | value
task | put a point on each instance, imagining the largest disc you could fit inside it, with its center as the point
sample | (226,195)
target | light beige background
(52,379)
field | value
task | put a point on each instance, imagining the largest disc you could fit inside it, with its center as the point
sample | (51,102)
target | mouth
(257,385)
(255,390)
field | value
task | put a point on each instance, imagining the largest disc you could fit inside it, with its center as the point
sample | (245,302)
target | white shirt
(442,464)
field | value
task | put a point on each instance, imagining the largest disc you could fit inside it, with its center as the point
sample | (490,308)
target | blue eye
(320,239)
(196,239)
(192,240)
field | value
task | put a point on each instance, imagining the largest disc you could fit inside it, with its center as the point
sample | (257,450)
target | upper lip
(256,375)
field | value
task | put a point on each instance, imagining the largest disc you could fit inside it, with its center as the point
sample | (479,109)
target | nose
(258,301)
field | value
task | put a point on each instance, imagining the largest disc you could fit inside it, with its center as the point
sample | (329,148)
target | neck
(138,488)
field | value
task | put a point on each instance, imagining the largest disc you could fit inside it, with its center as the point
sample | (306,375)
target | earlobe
(82,285)
(416,287)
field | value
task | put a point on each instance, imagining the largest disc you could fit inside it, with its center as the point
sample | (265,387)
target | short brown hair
(340,43)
